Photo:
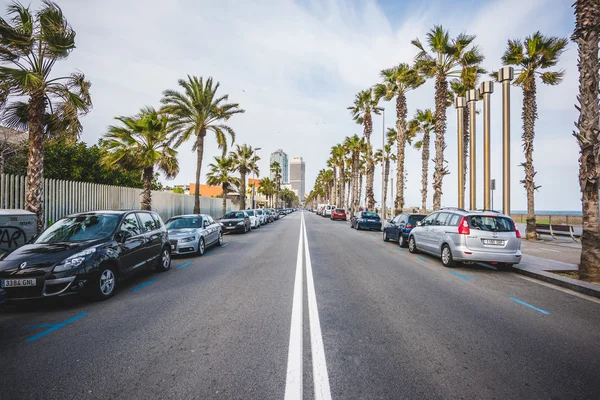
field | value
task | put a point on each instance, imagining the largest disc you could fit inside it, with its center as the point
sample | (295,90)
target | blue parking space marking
(400,248)
(423,259)
(184,264)
(224,244)
(52,327)
(143,285)
(529,305)
(466,278)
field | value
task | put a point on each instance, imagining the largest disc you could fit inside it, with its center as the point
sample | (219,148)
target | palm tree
(276,171)
(334,190)
(30,46)
(396,82)
(355,146)
(142,142)
(328,179)
(338,157)
(196,111)
(365,104)
(267,189)
(384,156)
(587,27)
(447,59)
(221,174)
(244,160)
(537,53)
(423,122)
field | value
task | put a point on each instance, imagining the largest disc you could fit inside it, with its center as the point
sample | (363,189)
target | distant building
(282,158)
(297,181)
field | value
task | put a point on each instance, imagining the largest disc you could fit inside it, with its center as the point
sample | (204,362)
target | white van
(328,210)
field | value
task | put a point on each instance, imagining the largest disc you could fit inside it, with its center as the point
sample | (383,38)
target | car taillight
(463,227)
(517,230)
(409,226)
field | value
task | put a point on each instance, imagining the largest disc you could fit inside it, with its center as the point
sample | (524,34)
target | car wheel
(412,245)
(164,263)
(401,240)
(220,240)
(106,283)
(245,228)
(201,247)
(385,236)
(504,266)
(357,227)
(447,259)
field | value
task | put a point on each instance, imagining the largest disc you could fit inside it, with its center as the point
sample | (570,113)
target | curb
(589,289)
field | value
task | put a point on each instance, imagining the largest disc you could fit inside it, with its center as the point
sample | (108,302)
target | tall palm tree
(244,160)
(396,82)
(267,189)
(446,58)
(355,146)
(363,162)
(196,111)
(142,142)
(423,122)
(535,54)
(30,46)
(334,190)
(221,174)
(328,179)
(385,156)
(338,156)
(365,104)
(587,37)
(276,171)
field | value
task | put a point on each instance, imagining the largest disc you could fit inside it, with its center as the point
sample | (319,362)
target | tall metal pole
(506,75)
(472,97)
(383,206)
(460,104)
(392,187)
(486,88)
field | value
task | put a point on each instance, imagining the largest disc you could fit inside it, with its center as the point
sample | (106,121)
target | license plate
(18,282)
(230,227)
(493,242)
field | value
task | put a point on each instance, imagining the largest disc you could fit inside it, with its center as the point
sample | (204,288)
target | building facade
(297,181)
(282,158)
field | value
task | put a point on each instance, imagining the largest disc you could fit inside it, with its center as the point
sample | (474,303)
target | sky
(294,66)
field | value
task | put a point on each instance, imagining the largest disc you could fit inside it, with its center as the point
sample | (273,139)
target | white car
(328,210)
(254,220)
(260,213)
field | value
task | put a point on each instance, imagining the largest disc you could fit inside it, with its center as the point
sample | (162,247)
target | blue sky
(296,65)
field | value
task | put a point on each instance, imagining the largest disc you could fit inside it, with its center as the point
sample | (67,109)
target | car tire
(385,236)
(504,266)
(412,245)
(220,239)
(401,240)
(446,255)
(106,283)
(164,261)
(201,246)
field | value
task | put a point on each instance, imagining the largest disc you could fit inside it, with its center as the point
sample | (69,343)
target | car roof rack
(453,209)
(484,210)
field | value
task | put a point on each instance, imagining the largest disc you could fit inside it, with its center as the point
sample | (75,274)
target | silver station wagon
(456,235)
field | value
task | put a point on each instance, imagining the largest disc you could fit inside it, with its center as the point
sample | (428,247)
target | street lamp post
(506,75)
(460,104)
(383,207)
(253,183)
(486,89)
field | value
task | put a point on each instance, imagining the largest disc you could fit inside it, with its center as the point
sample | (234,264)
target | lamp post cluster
(505,76)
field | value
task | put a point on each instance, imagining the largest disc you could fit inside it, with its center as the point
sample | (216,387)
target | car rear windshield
(234,215)
(250,213)
(491,223)
(339,210)
(259,212)
(370,215)
(413,219)
(185,223)
(80,229)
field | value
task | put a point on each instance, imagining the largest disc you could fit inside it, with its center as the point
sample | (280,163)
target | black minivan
(88,252)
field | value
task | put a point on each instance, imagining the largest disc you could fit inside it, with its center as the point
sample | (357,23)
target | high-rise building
(282,158)
(297,176)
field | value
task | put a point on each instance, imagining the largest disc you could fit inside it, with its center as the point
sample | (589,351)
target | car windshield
(369,214)
(80,229)
(250,213)
(234,215)
(413,219)
(491,223)
(184,223)
(259,212)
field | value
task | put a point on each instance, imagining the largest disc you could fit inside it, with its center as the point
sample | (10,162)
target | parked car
(398,228)
(457,235)
(193,233)
(236,221)
(89,252)
(274,213)
(281,212)
(261,216)
(366,220)
(268,216)
(254,220)
(327,210)
(338,213)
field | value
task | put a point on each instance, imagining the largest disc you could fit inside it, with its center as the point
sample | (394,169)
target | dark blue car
(366,220)
(398,228)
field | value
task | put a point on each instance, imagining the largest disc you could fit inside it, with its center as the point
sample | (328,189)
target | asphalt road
(390,325)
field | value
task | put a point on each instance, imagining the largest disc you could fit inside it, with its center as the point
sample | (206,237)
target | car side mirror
(389,220)
(122,236)
(206,224)
(419,223)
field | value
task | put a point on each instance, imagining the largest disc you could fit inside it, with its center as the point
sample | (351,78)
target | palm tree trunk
(386,172)
(587,36)
(401,112)
(224,199)
(355,184)
(529,117)
(348,194)
(341,189)
(242,190)
(441,96)
(35,165)
(466,138)
(424,170)
(368,130)
(147,177)
(199,154)
(360,186)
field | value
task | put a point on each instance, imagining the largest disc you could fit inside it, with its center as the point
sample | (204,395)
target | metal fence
(66,197)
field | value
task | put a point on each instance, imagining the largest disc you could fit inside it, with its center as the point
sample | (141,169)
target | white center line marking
(293,383)
(320,375)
